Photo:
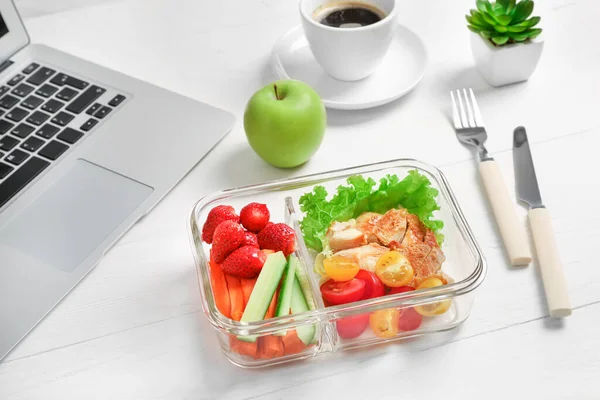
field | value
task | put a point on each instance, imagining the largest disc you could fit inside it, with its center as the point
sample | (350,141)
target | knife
(528,192)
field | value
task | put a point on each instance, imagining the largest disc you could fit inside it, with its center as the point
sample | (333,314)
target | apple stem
(276,94)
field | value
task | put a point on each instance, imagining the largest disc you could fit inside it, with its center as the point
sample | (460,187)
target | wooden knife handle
(513,233)
(553,276)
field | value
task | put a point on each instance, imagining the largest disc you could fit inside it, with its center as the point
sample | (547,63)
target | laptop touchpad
(74,216)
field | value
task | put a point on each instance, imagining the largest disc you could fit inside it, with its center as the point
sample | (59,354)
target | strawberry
(250,239)
(278,237)
(228,236)
(245,262)
(214,218)
(255,216)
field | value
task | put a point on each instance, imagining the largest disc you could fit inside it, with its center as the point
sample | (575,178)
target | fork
(468,124)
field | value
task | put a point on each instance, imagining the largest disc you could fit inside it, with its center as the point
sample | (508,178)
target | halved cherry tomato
(351,327)
(339,268)
(343,292)
(409,319)
(438,308)
(384,323)
(373,286)
(394,269)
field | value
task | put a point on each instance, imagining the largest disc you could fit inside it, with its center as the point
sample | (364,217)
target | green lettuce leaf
(414,193)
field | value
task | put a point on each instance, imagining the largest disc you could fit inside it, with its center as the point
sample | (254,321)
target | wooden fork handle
(513,234)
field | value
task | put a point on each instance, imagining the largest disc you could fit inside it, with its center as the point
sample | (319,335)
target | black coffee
(349,15)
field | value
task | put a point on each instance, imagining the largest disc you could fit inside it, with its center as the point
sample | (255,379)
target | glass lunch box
(464,263)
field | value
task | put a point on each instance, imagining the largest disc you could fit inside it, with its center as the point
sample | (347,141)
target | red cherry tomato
(351,327)
(373,285)
(343,292)
(401,289)
(409,319)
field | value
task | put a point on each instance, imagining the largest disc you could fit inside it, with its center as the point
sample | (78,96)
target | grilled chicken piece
(391,227)
(415,230)
(344,235)
(366,256)
(433,262)
(366,223)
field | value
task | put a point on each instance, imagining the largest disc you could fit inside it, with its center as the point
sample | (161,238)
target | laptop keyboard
(37,109)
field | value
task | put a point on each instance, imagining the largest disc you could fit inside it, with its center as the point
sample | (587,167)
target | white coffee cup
(349,54)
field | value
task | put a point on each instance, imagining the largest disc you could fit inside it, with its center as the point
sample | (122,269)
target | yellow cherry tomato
(384,323)
(438,308)
(394,269)
(340,269)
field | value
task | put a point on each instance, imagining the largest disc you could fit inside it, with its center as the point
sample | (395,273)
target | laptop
(84,153)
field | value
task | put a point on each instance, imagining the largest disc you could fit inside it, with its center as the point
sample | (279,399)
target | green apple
(285,123)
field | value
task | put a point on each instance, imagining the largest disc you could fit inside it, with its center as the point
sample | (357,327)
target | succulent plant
(505,21)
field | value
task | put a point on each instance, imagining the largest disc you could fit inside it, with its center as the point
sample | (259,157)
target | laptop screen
(3,27)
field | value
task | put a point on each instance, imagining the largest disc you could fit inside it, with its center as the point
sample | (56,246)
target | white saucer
(401,70)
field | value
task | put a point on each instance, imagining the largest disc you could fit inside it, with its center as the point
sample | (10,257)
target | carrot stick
(220,291)
(243,348)
(270,347)
(292,343)
(271,310)
(247,287)
(236,296)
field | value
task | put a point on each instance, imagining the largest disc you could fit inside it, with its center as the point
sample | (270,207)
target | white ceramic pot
(502,65)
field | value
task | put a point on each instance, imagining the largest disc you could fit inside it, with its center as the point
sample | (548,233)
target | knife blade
(528,191)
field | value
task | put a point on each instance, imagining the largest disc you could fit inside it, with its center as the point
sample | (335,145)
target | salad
(376,241)
(254,276)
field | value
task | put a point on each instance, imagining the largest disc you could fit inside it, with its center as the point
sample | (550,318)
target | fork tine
(461,108)
(469,110)
(476,112)
(455,116)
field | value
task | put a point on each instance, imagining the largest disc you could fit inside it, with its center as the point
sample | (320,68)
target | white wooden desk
(134,329)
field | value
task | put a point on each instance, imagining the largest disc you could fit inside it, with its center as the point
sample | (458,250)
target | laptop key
(46,90)
(5,169)
(85,99)
(17,114)
(32,102)
(69,135)
(93,108)
(17,157)
(37,118)
(53,106)
(67,94)
(47,131)
(62,118)
(40,76)
(89,124)
(22,176)
(15,79)
(4,89)
(103,112)
(8,101)
(118,99)
(7,143)
(32,144)
(22,130)
(22,90)
(5,126)
(30,68)
(53,150)
(64,79)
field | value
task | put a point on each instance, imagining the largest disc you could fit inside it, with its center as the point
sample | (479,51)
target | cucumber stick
(263,291)
(285,293)
(306,333)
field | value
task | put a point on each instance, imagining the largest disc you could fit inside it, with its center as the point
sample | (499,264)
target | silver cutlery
(528,192)
(470,130)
